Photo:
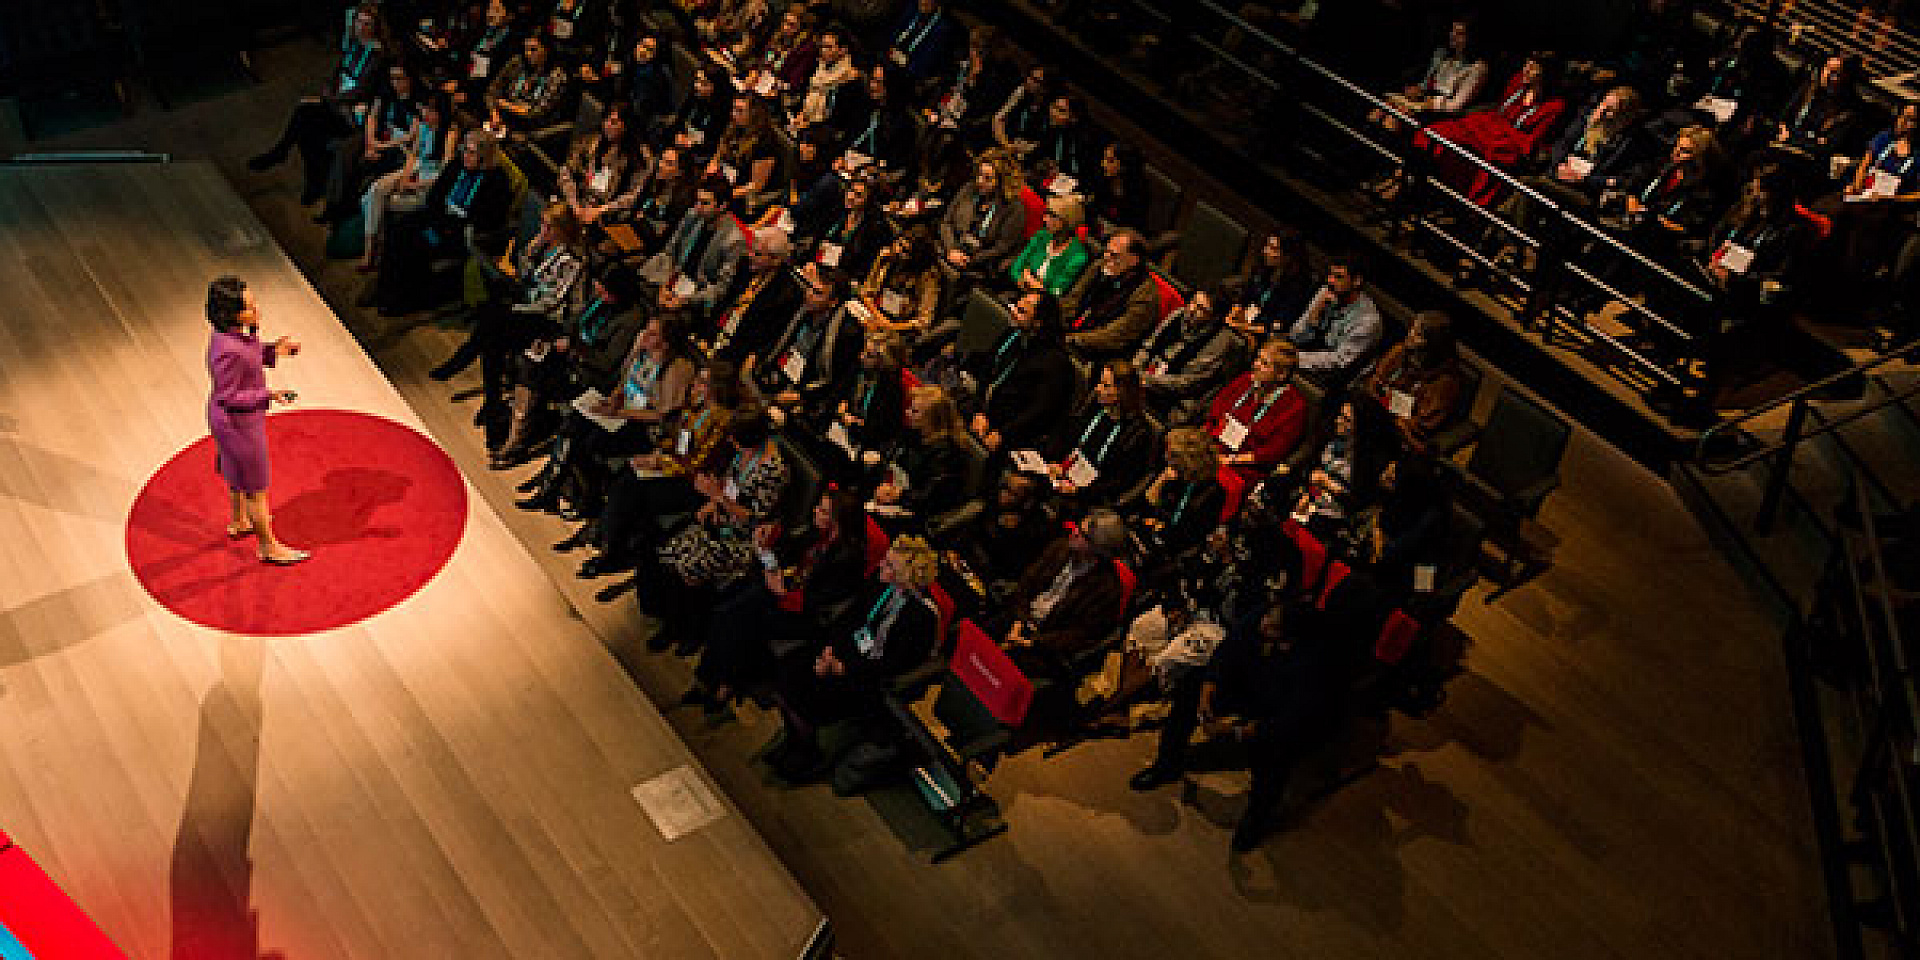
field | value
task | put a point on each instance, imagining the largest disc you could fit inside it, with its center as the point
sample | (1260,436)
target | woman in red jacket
(1259,417)
(1529,111)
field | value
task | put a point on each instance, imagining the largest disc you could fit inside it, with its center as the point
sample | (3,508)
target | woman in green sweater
(1054,255)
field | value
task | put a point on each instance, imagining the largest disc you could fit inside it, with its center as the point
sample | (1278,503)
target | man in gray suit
(695,269)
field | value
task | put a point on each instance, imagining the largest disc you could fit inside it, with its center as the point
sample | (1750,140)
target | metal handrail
(1702,456)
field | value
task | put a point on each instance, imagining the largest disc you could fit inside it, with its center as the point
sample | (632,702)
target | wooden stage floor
(447,779)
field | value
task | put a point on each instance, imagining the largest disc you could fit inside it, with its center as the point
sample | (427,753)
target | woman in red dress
(1529,111)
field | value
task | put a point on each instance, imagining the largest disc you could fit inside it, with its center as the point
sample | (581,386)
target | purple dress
(237,411)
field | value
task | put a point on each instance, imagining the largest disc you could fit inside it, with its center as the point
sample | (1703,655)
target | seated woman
(1664,210)
(1503,136)
(1418,380)
(748,157)
(664,196)
(927,475)
(1054,257)
(628,422)
(851,237)
(1818,120)
(1026,379)
(1183,504)
(1118,193)
(984,223)
(376,148)
(1405,528)
(603,176)
(1273,295)
(472,195)
(1874,218)
(644,82)
(890,628)
(317,122)
(869,415)
(529,91)
(1067,146)
(883,133)
(831,95)
(1343,476)
(697,124)
(432,139)
(809,578)
(1103,455)
(657,488)
(529,304)
(775,61)
(717,548)
(903,292)
(1259,417)
(478,49)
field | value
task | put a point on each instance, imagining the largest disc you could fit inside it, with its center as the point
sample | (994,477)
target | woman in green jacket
(1054,255)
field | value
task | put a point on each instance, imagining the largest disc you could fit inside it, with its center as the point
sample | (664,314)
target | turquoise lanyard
(866,396)
(921,37)
(1013,337)
(351,76)
(592,312)
(641,384)
(1181,508)
(864,638)
(1088,432)
(1264,407)
(1887,151)
(463,189)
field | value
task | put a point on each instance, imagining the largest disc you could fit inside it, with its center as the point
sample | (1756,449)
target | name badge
(1400,403)
(602,180)
(732,324)
(1423,576)
(1880,183)
(764,85)
(1233,433)
(684,442)
(684,288)
(696,136)
(1720,108)
(898,57)
(892,303)
(562,29)
(1080,471)
(732,175)
(1580,166)
(1734,258)
(856,159)
(731,491)
(481,64)
(1060,185)
(793,363)
(1156,367)
(837,432)
(538,351)
(830,254)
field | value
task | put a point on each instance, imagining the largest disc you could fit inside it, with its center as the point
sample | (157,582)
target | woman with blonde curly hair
(931,458)
(892,627)
(1184,503)
(985,222)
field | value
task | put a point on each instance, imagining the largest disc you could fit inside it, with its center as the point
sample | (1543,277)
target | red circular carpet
(380,506)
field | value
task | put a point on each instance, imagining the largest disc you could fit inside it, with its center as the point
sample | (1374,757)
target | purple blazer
(236,412)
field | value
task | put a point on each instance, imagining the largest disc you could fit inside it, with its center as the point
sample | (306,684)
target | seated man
(754,317)
(1111,308)
(1070,598)
(1188,356)
(1340,327)
(696,267)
